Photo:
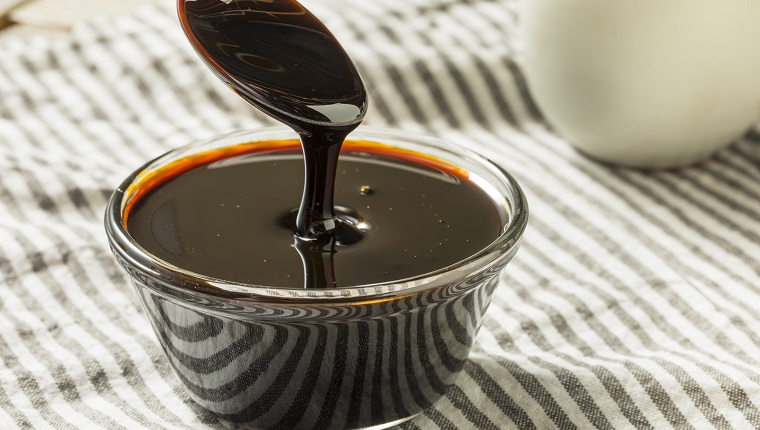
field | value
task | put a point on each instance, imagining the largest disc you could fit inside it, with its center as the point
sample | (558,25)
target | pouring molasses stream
(281,59)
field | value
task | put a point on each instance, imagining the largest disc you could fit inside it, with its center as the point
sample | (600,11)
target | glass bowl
(364,356)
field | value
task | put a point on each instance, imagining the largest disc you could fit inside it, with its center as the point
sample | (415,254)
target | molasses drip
(283,60)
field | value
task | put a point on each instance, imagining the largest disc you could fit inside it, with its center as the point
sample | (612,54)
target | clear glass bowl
(366,356)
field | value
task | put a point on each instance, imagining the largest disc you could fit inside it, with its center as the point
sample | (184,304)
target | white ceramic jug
(647,83)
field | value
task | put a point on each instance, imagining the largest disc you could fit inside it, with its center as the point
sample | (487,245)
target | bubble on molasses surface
(366,190)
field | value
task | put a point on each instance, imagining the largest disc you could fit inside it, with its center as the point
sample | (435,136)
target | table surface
(632,302)
(52,18)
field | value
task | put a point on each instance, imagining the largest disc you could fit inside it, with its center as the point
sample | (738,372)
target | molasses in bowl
(364,329)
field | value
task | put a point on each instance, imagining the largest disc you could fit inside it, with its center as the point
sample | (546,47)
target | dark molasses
(232,217)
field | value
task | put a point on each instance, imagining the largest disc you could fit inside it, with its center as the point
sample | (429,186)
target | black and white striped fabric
(633,302)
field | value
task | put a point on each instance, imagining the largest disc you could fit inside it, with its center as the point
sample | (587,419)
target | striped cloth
(633,302)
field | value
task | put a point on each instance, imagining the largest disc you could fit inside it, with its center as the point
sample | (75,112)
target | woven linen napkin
(633,302)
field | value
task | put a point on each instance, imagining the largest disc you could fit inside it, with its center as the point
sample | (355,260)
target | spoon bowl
(280,58)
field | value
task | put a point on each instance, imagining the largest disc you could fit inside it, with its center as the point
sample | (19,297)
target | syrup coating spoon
(280,58)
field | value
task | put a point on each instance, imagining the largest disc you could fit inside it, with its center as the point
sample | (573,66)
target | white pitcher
(646,83)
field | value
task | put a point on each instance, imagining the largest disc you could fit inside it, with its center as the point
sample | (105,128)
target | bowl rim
(184,282)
